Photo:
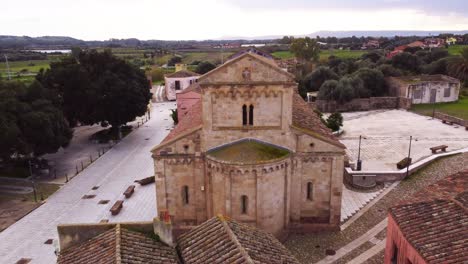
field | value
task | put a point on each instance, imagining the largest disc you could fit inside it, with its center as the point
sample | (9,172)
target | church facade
(252,149)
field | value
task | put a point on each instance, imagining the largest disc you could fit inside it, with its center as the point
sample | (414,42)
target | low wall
(450,118)
(363,104)
(352,177)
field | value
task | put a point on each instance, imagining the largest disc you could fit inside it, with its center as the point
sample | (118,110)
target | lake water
(52,51)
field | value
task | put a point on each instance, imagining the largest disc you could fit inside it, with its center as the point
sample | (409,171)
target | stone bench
(441,147)
(145,181)
(116,207)
(448,122)
(130,190)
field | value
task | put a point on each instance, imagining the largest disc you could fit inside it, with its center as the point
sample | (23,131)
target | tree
(172,61)
(314,80)
(436,67)
(389,71)
(328,90)
(204,67)
(406,62)
(305,49)
(98,88)
(458,66)
(30,123)
(157,74)
(372,56)
(348,88)
(335,121)
(373,81)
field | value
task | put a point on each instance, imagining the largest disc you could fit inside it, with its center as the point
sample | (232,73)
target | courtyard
(386,135)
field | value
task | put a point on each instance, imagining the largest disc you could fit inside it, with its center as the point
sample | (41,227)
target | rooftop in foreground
(248,151)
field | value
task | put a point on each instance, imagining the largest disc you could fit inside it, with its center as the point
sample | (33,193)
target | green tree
(204,67)
(172,61)
(98,88)
(335,121)
(406,62)
(389,71)
(373,81)
(305,49)
(314,80)
(328,90)
(458,66)
(30,123)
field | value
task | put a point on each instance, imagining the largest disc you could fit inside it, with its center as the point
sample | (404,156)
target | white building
(178,81)
(425,89)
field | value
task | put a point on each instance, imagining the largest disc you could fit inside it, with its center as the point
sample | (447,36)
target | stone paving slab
(352,201)
(369,253)
(386,137)
(119,167)
(355,243)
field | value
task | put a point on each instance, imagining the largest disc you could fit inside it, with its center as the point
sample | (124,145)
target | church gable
(248,68)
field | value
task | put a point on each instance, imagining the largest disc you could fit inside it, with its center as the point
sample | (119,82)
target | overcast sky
(205,19)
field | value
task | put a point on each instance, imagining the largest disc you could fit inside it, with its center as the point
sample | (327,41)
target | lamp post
(359,162)
(409,156)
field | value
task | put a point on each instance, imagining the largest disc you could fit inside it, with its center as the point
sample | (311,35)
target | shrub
(335,121)
(404,163)
(174,116)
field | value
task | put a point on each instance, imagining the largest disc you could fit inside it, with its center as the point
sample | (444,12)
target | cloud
(428,6)
(208,19)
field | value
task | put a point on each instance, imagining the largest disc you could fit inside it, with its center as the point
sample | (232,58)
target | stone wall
(450,118)
(363,104)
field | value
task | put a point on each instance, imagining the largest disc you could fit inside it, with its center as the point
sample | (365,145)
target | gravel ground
(304,247)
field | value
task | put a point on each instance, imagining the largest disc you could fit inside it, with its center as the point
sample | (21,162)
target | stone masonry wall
(363,104)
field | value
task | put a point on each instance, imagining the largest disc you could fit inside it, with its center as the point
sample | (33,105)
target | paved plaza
(386,136)
(112,174)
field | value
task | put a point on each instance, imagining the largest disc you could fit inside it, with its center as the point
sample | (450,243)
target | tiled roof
(191,120)
(194,87)
(304,117)
(182,74)
(99,249)
(436,225)
(221,240)
(119,245)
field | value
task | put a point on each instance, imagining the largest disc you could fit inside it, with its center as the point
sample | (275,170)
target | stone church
(250,148)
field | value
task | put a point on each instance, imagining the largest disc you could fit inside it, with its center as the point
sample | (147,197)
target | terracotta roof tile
(304,117)
(182,74)
(134,247)
(191,120)
(99,249)
(194,87)
(221,240)
(436,224)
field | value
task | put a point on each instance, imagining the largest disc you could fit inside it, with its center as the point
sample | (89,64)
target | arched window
(251,115)
(310,191)
(244,115)
(185,194)
(244,204)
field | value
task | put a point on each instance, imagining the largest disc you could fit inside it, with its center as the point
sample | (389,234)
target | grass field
(213,57)
(458,109)
(31,66)
(455,49)
(324,54)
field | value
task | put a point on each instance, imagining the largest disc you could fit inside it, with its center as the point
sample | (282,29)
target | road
(112,174)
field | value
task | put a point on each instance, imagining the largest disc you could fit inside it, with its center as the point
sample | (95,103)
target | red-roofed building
(433,228)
